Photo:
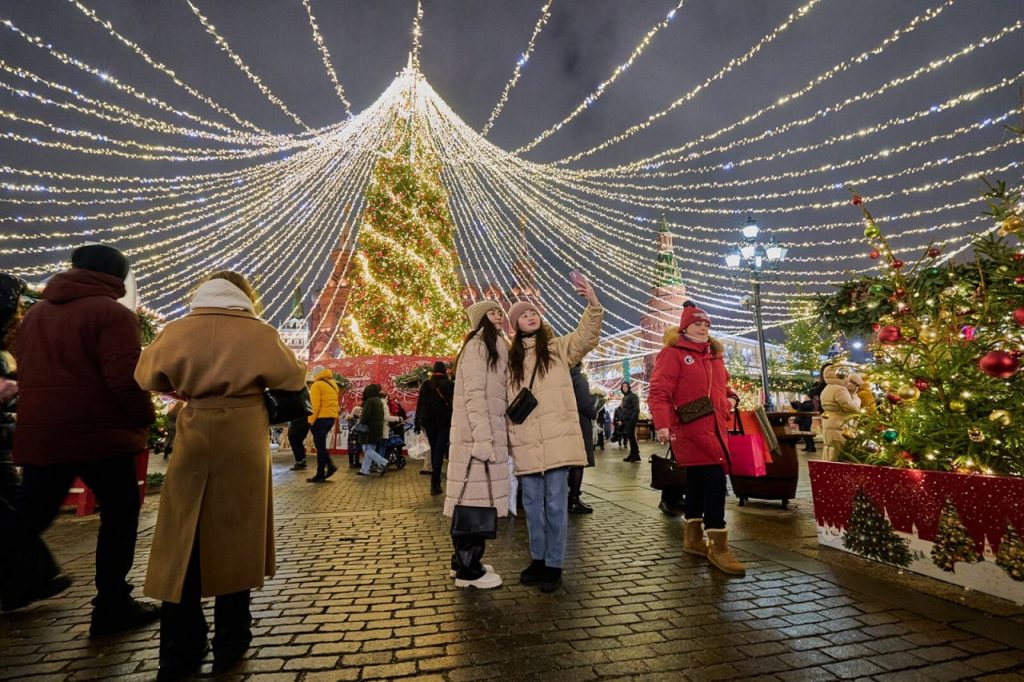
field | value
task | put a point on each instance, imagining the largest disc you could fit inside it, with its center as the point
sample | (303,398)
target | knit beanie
(101,258)
(11,289)
(518,309)
(476,312)
(691,315)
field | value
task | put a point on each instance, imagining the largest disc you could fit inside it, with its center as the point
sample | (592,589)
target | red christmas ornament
(873,254)
(893,398)
(856,200)
(998,364)
(922,384)
(1019,256)
(1019,280)
(896,264)
(875,326)
(901,292)
(1018,316)
(968,332)
(934,252)
(889,334)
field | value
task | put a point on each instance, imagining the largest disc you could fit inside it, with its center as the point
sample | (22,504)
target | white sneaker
(488,581)
(487,567)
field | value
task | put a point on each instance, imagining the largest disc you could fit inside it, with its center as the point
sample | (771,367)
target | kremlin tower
(668,294)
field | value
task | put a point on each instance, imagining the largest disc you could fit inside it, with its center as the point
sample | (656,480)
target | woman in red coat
(691,368)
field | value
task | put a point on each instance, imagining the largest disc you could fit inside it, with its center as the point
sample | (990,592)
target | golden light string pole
(590,99)
(933,66)
(915,23)
(243,67)
(637,199)
(112,81)
(165,70)
(417,31)
(994,120)
(520,63)
(326,56)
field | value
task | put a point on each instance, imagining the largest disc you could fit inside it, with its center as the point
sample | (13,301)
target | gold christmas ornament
(958,406)
(1001,416)
(1011,225)
(928,335)
(975,434)
(885,385)
(909,393)
(847,434)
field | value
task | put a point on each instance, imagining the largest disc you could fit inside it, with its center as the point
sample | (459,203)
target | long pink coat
(685,371)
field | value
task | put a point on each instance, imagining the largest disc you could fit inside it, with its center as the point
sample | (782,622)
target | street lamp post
(758,256)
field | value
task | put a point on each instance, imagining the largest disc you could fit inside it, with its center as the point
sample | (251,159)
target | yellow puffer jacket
(323,395)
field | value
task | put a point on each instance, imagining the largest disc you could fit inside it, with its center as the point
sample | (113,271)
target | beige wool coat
(479,428)
(839,404)
(218,482)
(550,437)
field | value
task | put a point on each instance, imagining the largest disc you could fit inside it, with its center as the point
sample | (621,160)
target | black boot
(551,579)
(533,573)
(578,507)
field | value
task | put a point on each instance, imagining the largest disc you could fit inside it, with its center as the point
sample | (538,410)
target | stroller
(395,443)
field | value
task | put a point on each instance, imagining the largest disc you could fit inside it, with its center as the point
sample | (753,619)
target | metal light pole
(757,257)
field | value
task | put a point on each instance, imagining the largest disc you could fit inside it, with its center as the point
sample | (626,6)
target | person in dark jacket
(586,407)
(371,436)
(11,289)
(628,415)
(805,420)
(81,413)
(434,415)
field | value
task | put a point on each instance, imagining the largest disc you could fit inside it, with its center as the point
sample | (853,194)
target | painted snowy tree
(1011,553)
(952,541)
(870,534)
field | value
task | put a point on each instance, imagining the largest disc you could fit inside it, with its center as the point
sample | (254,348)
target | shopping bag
(418,446)
(747,454)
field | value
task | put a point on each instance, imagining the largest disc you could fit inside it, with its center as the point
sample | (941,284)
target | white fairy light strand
(326,56)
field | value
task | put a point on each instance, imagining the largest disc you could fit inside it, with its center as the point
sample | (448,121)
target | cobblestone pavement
(362,592)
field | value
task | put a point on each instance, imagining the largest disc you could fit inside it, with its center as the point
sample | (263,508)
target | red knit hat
(691,315)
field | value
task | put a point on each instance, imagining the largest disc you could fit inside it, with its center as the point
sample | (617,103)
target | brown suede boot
(693,537)
(720,555)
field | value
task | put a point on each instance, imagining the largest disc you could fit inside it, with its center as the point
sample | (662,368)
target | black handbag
(524,402)
(284,406)
(475,521)
(666,473)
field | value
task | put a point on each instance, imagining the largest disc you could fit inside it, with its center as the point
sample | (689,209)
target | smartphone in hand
(576,277)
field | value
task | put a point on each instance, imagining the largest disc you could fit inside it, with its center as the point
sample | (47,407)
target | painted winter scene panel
(961,528)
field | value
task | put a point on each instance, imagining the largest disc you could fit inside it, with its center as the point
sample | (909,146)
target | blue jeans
(320,428)
(546,502)
(371,456)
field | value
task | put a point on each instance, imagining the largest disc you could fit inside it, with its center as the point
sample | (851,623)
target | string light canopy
(288,205)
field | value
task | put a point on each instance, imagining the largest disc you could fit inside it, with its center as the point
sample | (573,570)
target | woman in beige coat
(549,441)
(214,534)
(479,440)
(839,402)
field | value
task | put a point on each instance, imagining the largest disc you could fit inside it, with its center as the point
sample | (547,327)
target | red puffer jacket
(77,350)
(683,372)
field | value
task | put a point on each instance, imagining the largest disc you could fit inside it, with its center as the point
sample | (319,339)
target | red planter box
(961,528)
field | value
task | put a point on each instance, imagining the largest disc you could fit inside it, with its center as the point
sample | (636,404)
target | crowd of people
(78,402)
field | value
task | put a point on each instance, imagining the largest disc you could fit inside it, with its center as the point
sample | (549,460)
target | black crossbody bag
(524,402)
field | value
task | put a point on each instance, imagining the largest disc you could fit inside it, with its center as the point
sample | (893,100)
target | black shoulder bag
(475,521)
(284,406)
(524,403)
(666,472)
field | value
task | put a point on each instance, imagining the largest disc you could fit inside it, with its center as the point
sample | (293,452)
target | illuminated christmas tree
(947,340)
(952,541)
(870,534)
(1011,553)
(404,298)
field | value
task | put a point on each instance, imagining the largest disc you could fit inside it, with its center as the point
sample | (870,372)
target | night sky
(469,50)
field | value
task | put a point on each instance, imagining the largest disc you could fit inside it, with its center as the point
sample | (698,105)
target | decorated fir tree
(1011,553)
(947,339)
(404,283)
(870,534)
(952,541)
